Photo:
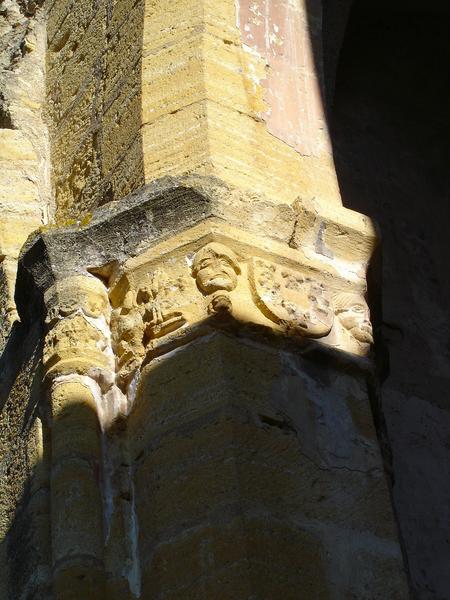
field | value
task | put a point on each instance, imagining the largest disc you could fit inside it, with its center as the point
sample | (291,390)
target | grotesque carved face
(354,314)
(215,268)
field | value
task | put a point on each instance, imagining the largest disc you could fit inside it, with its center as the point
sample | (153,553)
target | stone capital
(178,259)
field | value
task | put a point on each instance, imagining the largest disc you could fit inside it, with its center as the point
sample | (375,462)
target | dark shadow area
(24,493)
(390,132)
(22,351)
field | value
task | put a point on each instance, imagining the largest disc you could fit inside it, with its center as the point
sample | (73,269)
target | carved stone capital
(77,340)
(218,258)
(214,275)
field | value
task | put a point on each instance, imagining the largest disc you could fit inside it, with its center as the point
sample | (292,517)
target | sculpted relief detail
(146,314)
(216,269)
(157,303)
(353,313)
(77,326)
(127,329)
(291,299)
(169,300)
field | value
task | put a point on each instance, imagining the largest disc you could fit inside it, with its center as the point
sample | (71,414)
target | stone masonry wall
(25,194)
(213,416)
(94,101)
(25,204)
(138,92)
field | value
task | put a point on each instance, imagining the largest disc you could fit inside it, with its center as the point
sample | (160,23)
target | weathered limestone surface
(94,101)
(24,205)
(166,207)
(275,459)
(76,359)
(243,479)
(178,88)
(25,200)
(24,486)
(20,209)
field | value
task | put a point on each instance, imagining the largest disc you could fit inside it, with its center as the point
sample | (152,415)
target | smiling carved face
(215,268)
(354,314)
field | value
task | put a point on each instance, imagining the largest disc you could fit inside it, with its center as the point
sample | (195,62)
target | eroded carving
(291,299)
(163,299)
(74,294)
(66,339)
(77,339)
(127,329)
(220,304)
(146,314)
(216,269)
(157,303)
(354,315)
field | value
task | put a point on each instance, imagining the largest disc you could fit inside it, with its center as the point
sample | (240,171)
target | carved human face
(355,317)
(215,268)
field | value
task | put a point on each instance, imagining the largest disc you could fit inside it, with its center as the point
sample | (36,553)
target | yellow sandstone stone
(165,88)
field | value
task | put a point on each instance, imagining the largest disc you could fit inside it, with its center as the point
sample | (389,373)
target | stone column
(77,367)
(256,465)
